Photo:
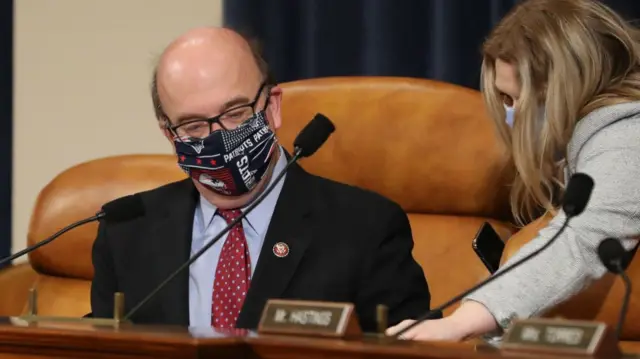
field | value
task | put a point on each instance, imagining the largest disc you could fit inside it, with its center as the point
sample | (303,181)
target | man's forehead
(207,96)
(182,103)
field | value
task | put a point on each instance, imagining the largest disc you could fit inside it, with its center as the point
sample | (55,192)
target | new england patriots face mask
(229,162)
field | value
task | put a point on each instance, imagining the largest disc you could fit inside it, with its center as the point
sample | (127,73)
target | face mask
(510,111)
(229,162)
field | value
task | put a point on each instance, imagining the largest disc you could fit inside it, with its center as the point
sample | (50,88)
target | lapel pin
(281,249)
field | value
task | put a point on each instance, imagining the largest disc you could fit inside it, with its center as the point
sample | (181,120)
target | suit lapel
(289,225)
(171,236)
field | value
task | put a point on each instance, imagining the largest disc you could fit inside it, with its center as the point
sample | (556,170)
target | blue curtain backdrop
(6,119)
(436,39)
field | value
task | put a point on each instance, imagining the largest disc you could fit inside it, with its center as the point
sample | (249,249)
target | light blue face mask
(509,118)
(510,111)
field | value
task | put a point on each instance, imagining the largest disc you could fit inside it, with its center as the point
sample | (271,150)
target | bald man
(310,239)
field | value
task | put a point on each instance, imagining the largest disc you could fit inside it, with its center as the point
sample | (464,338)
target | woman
(561,79)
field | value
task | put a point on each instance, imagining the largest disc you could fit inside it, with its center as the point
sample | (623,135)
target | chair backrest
(79,192)
(425,144)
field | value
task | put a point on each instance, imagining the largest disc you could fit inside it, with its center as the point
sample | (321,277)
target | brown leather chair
(63,267)
(427,145)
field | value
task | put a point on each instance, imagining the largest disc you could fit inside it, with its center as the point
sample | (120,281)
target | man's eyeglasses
(228,120)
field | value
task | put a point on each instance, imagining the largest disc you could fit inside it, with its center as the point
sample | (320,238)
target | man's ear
(166,132)
(275,100)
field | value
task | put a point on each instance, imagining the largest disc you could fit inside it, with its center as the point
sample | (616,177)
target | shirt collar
(260,217)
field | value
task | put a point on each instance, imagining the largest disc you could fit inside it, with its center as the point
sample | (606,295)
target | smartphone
(488,247)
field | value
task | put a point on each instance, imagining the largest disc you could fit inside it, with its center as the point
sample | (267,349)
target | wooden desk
(83,341)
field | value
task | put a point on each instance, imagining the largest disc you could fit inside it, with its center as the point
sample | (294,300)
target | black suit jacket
(346,244)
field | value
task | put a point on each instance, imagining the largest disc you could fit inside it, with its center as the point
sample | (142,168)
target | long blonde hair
(571,57)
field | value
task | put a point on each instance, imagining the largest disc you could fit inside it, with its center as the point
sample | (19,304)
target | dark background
(437,39)
(6,123)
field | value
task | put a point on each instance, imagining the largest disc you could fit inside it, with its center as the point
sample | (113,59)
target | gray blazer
(606,146)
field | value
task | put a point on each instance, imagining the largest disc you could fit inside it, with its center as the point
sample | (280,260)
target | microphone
(313,135)
(308,141)
(118,210)
(575,200)
(615,259)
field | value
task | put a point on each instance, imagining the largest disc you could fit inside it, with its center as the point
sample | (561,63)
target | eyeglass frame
(216,119)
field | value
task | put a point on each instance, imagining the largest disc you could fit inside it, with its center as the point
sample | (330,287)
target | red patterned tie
(232,275)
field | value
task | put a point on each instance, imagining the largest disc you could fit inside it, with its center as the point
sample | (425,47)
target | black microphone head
(313,135)
(123,209)
(612,255)
(577,194)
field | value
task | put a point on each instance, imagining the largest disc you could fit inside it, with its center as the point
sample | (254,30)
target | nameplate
(555,336)
(327,319)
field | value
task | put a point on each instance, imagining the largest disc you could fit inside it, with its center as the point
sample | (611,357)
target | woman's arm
(612,159)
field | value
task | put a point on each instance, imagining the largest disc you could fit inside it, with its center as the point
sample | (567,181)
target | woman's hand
(431,330)
(469,320)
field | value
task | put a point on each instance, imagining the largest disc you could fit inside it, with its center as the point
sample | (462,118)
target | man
(310,239)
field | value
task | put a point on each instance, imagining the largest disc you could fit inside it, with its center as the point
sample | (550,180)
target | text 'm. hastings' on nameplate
(558,336)
(328,319)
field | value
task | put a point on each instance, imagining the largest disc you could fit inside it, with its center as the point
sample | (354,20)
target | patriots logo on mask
(197,146)
(213,182)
